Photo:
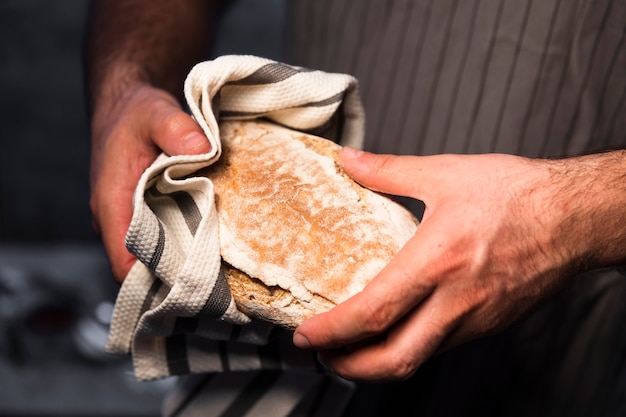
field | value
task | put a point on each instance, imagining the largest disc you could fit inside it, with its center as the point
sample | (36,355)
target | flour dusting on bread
(305,234)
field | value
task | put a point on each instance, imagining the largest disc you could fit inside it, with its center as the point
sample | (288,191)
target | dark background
(56,291)
(44,157)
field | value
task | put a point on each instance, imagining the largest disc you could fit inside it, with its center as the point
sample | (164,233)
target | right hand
(126,138)
(500,235)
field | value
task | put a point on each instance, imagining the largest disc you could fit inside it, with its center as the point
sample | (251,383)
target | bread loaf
(297,235)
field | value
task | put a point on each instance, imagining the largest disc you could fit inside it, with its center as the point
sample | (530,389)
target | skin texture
(500,234)
(135,75)
(144,122)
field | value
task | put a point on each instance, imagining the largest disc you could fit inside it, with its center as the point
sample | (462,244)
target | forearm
(589,195)
(152,42)
(138,53)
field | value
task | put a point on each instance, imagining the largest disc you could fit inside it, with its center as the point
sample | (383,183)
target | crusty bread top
(290,217)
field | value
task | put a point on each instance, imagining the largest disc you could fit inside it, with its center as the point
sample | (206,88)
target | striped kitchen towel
(174,312)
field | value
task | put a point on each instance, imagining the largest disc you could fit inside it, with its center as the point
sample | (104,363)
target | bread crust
(271,303)
(297,234)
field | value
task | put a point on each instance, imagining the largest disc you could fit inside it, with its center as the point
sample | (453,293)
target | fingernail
(351,153)
(301,341)
(194,140)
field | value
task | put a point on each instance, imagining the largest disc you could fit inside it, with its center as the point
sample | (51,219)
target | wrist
(587,196)
(107,90)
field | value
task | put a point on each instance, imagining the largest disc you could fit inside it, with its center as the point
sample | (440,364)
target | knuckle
(378,315)
(401,367)
(437,330)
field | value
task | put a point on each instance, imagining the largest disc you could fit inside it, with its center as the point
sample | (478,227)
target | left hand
(126,140)
(490,247)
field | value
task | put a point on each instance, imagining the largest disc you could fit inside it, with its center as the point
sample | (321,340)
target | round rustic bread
(297,234)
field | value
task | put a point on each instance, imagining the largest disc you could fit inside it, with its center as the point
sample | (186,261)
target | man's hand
(126,139)
(499,235)
(137,55)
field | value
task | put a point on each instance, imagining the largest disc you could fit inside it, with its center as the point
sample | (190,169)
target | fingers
(111,206)
(384,301)
(439,323)
(176,133)
(113,237)
(427,178)
(389,329)
(147,123)
(403,349)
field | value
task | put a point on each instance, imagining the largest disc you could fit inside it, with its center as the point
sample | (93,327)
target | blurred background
(56,292)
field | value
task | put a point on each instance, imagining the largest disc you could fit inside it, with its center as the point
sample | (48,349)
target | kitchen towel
(174,313)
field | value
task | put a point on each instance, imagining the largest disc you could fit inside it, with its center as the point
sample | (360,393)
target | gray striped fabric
(174,312)
(542,78)
(258,393)
(530,77)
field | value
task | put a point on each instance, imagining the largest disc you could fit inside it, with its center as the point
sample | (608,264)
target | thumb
(176,133)
(388,174)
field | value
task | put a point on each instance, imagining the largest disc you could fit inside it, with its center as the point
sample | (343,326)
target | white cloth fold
(174,312)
